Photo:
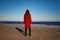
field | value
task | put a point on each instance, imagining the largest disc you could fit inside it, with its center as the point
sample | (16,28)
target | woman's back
(27,18)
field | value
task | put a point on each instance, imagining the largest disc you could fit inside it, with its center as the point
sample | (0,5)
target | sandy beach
(8,32)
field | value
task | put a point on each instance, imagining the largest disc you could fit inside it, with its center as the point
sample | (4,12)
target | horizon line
(32,21)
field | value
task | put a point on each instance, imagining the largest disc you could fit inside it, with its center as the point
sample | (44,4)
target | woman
(27,22)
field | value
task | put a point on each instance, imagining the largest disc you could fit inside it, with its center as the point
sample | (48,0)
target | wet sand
(8,32)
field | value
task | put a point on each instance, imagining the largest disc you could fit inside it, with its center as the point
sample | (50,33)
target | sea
(34,24)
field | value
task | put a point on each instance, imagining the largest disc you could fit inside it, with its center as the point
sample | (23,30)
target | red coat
(27,21)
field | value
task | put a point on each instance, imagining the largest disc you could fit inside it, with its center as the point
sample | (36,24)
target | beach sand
(8,32)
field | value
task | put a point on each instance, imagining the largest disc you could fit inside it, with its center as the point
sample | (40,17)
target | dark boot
(29,31)
(25,31)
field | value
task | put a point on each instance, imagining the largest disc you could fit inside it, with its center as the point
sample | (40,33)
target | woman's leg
(29,31)
(25,31)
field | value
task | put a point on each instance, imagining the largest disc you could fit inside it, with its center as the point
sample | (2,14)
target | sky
(40,10)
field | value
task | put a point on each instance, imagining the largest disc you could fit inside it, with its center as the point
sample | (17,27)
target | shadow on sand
(20,30)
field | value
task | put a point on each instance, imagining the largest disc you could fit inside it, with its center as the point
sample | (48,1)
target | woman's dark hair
(27,12)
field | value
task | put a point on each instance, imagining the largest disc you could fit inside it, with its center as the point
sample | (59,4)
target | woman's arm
(30,19)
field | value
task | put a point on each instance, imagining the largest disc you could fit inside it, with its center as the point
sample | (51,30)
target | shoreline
(34,25)
(11,33)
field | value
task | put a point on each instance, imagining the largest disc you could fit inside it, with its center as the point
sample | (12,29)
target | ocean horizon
(17,22)
(35,24)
